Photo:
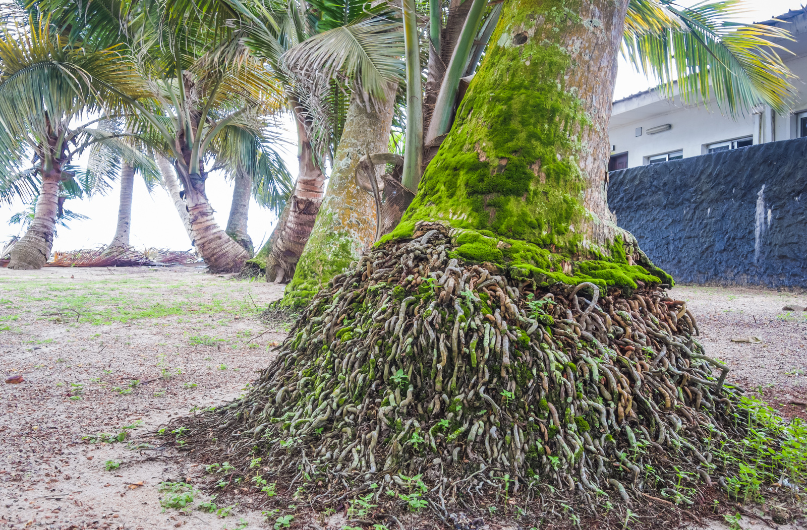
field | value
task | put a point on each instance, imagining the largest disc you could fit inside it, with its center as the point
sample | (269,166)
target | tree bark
(295,224)
(527,155)
(33,249)
(218,250)
(239,212)
(123,229)
(172,185)
(346,224)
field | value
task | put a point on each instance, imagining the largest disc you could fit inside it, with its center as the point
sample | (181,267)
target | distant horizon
(156,224)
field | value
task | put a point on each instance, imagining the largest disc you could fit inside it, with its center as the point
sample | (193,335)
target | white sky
(155,222)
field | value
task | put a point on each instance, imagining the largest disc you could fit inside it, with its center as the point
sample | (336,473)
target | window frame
(731,144)
(664,157)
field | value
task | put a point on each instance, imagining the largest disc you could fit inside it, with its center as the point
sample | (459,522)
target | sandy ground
(122,350)
(775,367)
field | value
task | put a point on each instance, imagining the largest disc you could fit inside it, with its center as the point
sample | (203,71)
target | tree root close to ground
(440,385)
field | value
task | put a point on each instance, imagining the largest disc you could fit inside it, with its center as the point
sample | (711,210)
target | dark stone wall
(732,218)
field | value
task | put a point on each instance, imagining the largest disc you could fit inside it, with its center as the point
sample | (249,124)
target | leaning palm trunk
(239,211)
(172,185)
(123,229)
(33,249)
(346,224)
(295,224)
(218,250)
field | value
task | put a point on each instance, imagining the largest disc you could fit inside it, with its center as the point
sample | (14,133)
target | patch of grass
(204,340)
(111,465)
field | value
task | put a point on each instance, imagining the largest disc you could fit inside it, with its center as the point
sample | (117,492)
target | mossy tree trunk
(124,227)
(239,211)
(346,224)
(527,155)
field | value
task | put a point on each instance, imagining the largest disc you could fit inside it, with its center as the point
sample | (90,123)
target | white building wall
(692,130)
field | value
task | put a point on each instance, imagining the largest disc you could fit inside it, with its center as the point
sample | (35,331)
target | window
(619,161)
(730,144)
(666,157)
(802,124)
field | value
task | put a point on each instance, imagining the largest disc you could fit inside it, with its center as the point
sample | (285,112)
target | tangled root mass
(413,363)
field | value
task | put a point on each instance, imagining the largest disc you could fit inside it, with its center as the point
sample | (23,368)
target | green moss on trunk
(516,172)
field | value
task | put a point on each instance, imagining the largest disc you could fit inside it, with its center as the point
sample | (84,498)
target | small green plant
(414,499)
(629,516)
(284,521)
(733,521)
(255,462)
(190,385)
(360,507)
(225,511)
(111,465)
(400,379)
(416,439)
(222,366)
(177,495)
(208,506)
(269,489)
(507,395)
(105,437)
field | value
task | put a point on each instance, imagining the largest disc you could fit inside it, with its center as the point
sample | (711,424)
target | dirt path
(776,366)
(119,351)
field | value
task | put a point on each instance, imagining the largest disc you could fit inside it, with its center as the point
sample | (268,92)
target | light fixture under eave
(658,129)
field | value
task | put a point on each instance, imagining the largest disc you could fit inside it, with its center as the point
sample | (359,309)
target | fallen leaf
(14,380)
(747,340)
(135,485)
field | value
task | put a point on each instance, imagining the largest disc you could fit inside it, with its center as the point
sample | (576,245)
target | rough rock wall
(731,218)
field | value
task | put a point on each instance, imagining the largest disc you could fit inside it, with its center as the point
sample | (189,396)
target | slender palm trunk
(121,238)
(172,185)
(239,212)
(33,249)
(346,224)
(295,224)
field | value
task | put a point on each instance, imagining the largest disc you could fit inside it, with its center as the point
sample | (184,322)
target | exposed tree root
(414,364)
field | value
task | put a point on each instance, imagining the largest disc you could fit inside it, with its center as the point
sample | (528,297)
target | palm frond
(702,53)
(369,53)
(251,148)
(21,184)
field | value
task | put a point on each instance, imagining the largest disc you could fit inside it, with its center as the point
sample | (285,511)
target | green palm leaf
(369,53)
(699,51)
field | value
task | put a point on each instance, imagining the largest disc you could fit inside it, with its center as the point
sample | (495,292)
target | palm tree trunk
(346,224)
(526,158)
(239,212)
(33,249)
(218,250)
(297,220)
(121,238)
(172,185)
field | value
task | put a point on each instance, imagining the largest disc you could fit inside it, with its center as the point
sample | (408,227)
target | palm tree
(189,118)
(196,93)
(463,342)
(48,87)
(257,172)
(369,61)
